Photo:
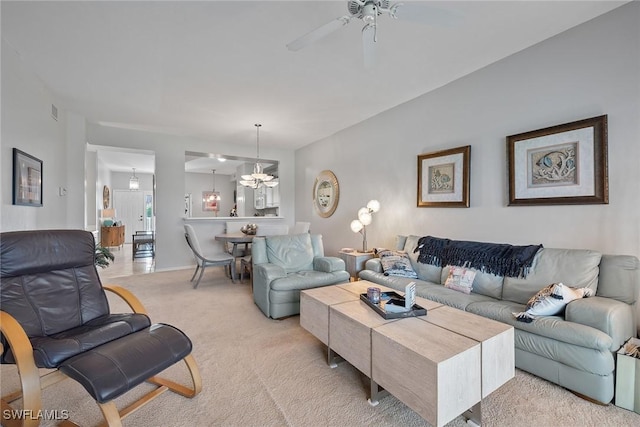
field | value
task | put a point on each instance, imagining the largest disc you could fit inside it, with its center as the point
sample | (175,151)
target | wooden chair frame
(32,383)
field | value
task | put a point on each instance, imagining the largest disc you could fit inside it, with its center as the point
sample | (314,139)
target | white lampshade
(373,205)
(356,226)
(364,216)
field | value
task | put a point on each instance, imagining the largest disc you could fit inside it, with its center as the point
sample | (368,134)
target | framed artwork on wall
(27,179)
(443,178)
(105,197)
(560,165)
(326,193)
(211,201)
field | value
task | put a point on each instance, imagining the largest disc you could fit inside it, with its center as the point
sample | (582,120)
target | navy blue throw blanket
(494,258)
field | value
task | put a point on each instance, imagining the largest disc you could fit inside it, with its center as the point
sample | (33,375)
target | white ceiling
(212,69)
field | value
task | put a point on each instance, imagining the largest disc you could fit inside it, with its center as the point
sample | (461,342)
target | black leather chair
(55,314)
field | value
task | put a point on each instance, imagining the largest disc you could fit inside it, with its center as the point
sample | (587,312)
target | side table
(355,261)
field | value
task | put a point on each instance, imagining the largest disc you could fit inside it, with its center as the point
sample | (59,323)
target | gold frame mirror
(326,194)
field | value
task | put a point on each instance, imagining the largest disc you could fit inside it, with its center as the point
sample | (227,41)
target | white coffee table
(440,365)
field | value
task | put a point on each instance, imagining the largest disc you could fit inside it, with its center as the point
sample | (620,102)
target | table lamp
(364,218)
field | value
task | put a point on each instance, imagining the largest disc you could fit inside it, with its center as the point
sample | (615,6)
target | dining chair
(218,258)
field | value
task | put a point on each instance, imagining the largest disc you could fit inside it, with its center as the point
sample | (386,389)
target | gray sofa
(283,265)
(575,349)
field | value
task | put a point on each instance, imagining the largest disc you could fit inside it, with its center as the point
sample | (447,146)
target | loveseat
(574,349)
(284,265)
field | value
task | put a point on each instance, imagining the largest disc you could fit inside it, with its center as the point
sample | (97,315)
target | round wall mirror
(326,194)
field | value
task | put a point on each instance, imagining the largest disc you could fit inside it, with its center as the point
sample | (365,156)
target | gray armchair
(284,265)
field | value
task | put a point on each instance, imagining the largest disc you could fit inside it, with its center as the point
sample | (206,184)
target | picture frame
(443,178)
(211,201)
(27,179)
(326,193)
(565,164)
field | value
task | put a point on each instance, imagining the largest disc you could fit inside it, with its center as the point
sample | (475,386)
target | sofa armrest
(610,316)
(267,272)
(328,264)
(373,264)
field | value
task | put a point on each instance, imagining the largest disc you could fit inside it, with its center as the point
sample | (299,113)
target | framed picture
(326,193)
(211,201)
(443,178)
(27,179)
(560,165)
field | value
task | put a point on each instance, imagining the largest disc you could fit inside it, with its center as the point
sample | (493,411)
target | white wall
(27,125)
(196,183)
(588,71)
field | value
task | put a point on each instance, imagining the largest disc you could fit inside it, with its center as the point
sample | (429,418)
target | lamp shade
(364,216)
(109,213)
(373,205)
(356,226)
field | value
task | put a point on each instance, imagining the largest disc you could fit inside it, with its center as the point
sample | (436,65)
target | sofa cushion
(618,275)
(427,272)
(439,293)
(460,279)
(396,263)
(292,252)
(577,268)
(484,283)
(551,300)
(552,327)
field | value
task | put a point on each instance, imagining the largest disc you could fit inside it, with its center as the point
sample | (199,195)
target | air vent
(54,112)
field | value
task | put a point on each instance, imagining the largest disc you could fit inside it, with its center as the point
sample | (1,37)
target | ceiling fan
(368,11)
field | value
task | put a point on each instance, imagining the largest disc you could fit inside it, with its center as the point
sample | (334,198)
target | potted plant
(103,256)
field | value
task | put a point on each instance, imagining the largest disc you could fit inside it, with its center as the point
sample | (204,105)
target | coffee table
(440,365)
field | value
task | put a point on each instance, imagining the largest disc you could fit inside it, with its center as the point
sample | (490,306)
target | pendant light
(215,195)
(258,178)
(134,182)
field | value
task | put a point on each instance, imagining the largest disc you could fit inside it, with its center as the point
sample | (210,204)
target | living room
(589,70)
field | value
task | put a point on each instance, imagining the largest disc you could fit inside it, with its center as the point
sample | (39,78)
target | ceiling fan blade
(424,14)
(369,45)
(319,33)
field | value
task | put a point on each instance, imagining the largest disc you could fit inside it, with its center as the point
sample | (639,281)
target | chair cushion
(116,367)
(291,252)
(307,279)
(50,351)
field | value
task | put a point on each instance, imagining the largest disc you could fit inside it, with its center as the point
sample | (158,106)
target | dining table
(235,239)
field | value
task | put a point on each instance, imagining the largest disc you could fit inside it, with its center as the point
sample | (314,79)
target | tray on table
(386,296)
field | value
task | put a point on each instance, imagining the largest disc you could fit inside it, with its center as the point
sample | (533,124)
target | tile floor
(125,266)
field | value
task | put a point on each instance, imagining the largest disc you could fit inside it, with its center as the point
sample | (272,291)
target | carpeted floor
(262,372)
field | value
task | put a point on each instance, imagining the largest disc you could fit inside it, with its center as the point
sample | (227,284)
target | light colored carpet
(262,372)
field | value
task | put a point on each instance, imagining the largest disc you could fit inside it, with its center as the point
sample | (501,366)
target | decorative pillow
(396,263)
(460,279)
(551,300)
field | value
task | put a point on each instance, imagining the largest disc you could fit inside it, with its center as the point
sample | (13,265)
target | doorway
(135,210)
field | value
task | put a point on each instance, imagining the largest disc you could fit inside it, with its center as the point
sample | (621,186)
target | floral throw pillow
(460,279)
(551,300)
(396,263)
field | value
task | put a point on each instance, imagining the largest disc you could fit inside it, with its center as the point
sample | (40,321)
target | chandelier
(258,178)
